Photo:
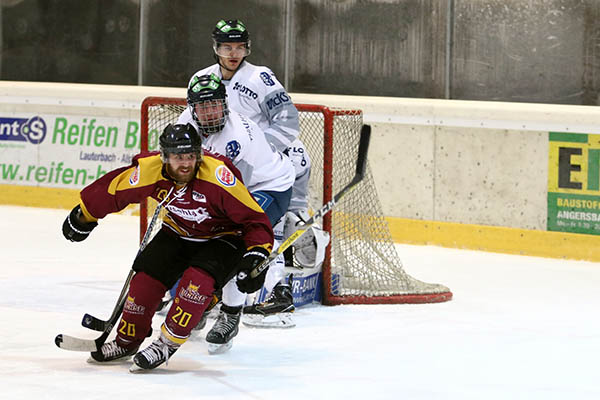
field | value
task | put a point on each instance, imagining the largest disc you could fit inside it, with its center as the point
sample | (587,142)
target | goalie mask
(206,98)
(231,31)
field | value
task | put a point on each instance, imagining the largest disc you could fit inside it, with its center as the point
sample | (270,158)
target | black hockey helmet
(231,31)
(179,139)
(207,91)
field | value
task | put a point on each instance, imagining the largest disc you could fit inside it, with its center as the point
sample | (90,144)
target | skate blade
(276,321)
(136,369)
(214,348)
(118,361)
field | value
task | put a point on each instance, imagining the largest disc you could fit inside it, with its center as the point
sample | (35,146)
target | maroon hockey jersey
(214,204)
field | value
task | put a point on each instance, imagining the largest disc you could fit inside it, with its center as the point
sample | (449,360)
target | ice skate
(275,312)
(154,355)
(220,337)
(111,352)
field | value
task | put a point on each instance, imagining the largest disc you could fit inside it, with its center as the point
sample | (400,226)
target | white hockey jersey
(254,91)
(242,141)
(302,164)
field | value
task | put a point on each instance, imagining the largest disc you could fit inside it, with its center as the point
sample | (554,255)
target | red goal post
(361,264)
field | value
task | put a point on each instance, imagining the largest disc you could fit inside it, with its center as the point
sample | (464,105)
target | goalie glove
(75,230)
(249,261)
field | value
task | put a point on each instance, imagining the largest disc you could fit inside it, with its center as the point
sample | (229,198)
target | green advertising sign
(574,183)
(65,151)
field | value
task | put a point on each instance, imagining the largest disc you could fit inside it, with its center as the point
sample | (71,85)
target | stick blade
(67,342)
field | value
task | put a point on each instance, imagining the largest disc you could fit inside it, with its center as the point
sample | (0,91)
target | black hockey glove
(75,230)
(248,262)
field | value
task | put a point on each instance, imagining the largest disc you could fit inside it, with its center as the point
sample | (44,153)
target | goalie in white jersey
(254,91)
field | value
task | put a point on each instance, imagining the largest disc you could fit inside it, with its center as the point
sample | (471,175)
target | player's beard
(182,175)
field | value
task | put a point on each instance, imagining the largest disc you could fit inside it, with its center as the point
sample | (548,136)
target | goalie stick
(361,165)
(76,344)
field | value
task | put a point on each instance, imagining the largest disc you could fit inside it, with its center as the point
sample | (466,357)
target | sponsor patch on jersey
(225,176)
(277,100)
(199,197)
(134,178)
(190,293)
(197,215)
(245,91)
(232,149)
(133,308)
(266,78)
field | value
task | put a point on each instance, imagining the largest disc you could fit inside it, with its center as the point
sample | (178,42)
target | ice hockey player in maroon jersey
(212,230)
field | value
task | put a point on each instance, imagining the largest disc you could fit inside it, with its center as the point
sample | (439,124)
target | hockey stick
(76,344)
(361,165)
(97,324)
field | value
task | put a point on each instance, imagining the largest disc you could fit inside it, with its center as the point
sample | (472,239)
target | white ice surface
(517,328)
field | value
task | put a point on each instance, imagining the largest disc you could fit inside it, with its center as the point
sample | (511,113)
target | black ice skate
(275,312)
(220,337)
(154,355)
(111,351)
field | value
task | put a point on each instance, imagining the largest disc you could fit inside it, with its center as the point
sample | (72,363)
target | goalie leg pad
(194,295)
(309,249)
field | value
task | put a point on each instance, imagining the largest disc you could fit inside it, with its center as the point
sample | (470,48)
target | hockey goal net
(361,264)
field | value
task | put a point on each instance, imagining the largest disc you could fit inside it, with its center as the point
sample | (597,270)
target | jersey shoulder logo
(134,178)
(232,149)
(225,176)
(266,78)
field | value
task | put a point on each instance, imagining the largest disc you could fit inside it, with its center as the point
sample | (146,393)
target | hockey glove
(249,261)
(75,230)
